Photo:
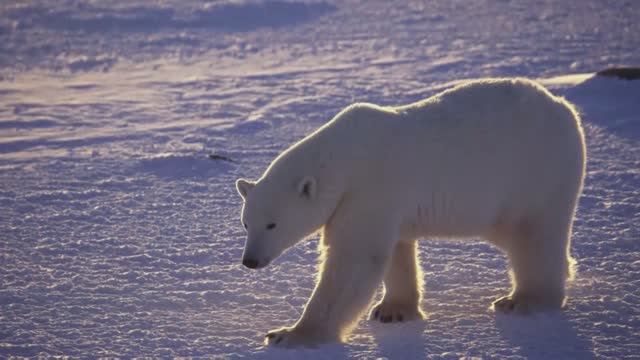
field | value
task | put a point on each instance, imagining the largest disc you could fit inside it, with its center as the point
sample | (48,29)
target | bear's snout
(250,263)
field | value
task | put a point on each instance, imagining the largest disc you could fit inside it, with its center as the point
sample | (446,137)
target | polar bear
(501,159)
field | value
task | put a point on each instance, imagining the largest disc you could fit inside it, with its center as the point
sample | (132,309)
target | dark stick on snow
(220,157)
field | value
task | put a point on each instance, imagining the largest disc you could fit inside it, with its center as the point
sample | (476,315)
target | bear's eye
(245,225)
(271,226)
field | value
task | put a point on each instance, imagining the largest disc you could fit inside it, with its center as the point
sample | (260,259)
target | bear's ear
(244,187)
(307,187)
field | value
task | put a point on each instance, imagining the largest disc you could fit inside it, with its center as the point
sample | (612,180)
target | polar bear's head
(277,215)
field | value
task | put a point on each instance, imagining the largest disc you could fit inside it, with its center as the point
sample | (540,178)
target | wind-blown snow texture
(119,236)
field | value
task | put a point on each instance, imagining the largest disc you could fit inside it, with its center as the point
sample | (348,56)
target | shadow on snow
(544,336)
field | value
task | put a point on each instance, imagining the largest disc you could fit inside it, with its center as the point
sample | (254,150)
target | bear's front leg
(355,264)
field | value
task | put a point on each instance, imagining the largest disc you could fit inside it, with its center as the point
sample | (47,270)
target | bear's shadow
(544,336)
(402,340)
(537,336)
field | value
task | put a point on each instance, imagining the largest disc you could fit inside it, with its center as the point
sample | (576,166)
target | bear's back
(496,135)
(493,103)
(485,140)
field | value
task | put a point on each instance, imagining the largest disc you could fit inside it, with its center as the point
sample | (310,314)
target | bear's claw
(274,338)
(504,305)
(526,304)
(387,313)
(293,337)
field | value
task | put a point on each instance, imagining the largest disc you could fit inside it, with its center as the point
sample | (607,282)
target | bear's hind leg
(540,262)
(402,287)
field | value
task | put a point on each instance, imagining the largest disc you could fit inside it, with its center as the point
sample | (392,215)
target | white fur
(501,159)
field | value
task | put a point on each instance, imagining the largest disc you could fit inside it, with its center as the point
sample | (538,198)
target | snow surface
(121,237)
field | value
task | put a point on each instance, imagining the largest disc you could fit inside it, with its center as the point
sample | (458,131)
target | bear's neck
(322,155)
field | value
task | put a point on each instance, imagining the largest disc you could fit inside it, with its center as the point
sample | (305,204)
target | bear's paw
(514,304)
(296,337)
(509,304)
(392,312)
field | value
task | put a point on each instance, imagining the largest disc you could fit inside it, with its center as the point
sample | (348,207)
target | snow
(121,236)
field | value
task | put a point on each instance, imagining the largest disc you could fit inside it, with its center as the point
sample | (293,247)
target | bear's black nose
(250,263)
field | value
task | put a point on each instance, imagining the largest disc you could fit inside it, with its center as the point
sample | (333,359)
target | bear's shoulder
(363,111)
